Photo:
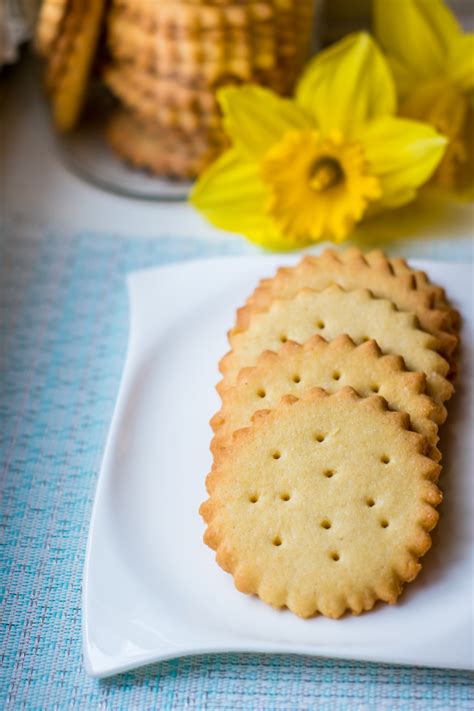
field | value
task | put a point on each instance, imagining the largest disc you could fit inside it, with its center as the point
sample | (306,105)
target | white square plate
(152,589)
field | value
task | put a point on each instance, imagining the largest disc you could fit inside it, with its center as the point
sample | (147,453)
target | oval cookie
(353,270)
(330,313)
(323,505)
(329,365)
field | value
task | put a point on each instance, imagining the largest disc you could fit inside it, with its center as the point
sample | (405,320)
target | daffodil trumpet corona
(310,168)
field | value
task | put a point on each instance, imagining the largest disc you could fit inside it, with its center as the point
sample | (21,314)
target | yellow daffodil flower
(310,168)
(433,65)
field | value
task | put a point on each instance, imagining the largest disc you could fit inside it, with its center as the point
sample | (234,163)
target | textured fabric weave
(63,332)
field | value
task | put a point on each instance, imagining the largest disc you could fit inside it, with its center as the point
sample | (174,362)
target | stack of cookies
(164,61)
(323,490)
(168,58)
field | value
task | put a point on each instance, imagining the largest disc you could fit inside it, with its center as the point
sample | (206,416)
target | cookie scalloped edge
(446,388)
(429,409)
(433,312)
(390,589)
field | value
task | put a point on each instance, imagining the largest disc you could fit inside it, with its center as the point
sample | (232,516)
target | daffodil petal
(232,197)
(402,154)
(455,174)
(256,118)
(347,85)
(417,35)
(230,193)
(461,63)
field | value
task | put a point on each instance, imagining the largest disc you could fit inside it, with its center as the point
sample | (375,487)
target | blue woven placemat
(63,331)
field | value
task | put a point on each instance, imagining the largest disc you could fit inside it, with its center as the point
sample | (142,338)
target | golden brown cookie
(323,504)
(194,59)
(264,42)
(436,294)
(158,150)
(399,266)
(352,270)
(293,27)
(179,18)
(70,61)
(163,92)
(147,106)
(330,365)
(48,26)
(329,313)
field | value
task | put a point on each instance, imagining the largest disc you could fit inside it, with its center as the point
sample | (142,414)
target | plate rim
(119,665)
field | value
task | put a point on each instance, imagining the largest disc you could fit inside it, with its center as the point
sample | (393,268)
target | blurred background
(122,94)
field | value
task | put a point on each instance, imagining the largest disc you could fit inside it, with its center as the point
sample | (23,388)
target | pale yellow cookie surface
(333,312)
(323,504)
(353,270)
(329,365)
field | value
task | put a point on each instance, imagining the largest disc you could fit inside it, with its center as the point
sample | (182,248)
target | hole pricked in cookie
(285,496)
(319,437)
(283,338)
(344,315)
(336,375)
(276,454)
(315,362)
(374,388)
(263,538)
(384,523)
(375,278)
(320,324)
(261,392)
(253,498)
(296,378)
(385,459)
